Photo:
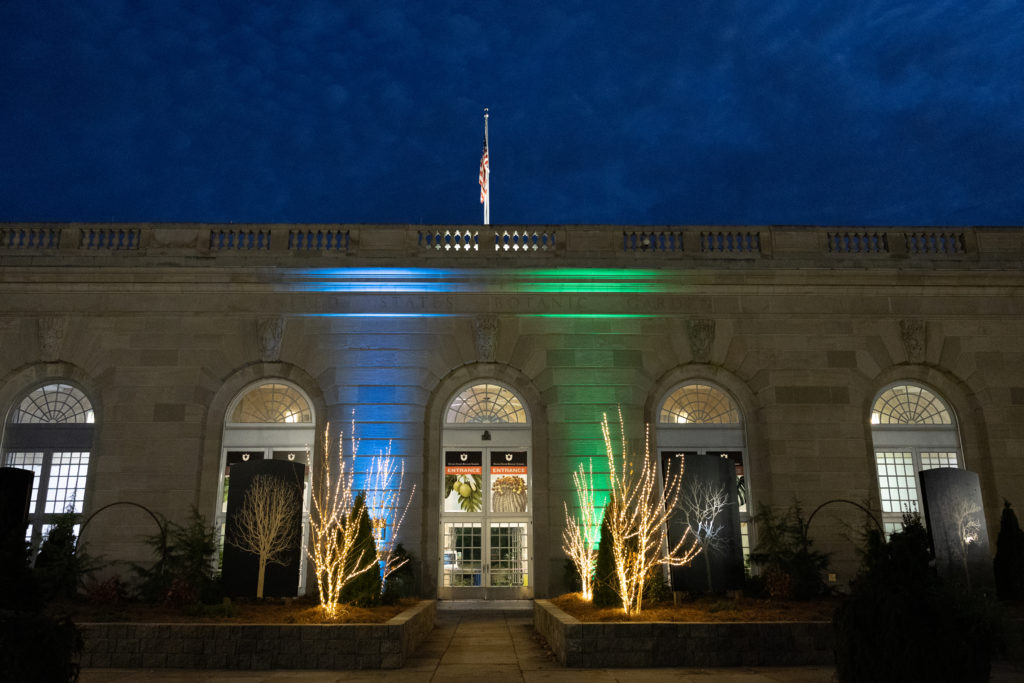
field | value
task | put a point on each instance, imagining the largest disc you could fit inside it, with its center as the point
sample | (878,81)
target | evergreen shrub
(605,581)
(365,589)
(900,623)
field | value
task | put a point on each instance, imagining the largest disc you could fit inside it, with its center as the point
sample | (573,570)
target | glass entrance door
(486,526)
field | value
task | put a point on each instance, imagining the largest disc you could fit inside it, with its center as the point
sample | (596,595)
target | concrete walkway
(495,647)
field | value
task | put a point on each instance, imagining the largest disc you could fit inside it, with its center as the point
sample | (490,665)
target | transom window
(272,403)
(54,404)
(50,433)
(912,430)
(909,404)
(486,404)
(699,404)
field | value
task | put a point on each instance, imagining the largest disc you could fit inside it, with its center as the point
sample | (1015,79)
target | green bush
(790,566)
(571,577)
(365,589)
(183,573)
(61,565)
(900,623)
(401,583)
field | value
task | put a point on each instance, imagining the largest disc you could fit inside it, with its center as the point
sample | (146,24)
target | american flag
(485,172)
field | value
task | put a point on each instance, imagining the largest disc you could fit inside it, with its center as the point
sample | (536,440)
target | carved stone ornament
(51,336)
(915,339)
(269,333)
(485,336)
(702,336)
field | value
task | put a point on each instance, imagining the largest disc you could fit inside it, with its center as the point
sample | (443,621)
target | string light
(638,515)
(386,482)
(579,538)
(334,526)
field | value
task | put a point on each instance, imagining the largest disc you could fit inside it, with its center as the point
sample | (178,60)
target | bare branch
(385,486)
(579,538)
(638,513)
(334,525)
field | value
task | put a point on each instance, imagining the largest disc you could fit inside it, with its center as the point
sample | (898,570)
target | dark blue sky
(681,112)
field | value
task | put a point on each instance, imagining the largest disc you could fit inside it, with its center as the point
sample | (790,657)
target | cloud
(848,112)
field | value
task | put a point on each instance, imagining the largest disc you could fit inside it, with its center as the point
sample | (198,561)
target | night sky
(854,112)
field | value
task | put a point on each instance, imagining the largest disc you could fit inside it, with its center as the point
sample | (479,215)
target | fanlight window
(272,403)
(486,404)
(54,404)
(909,404)
(699,404)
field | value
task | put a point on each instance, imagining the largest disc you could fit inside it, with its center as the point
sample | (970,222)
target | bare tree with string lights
(334,547)
(580,536)
(638,515)
(384,491)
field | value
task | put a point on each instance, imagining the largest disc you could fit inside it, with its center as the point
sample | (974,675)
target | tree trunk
(263,571)
(707,566)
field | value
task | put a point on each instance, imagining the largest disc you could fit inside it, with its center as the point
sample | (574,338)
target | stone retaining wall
(657,644)
(258,646)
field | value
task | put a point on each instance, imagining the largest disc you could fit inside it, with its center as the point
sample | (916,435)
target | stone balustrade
(488,245)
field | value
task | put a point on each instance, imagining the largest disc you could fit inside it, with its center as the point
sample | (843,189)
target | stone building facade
(820,360)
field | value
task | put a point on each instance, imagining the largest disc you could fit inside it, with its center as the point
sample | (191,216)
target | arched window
(50,432)
(486,404)
(912,429)
(699,404)
(702,419)
(271,419)
(271,403)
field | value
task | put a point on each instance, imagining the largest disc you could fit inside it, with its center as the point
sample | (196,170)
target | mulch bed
(708,609)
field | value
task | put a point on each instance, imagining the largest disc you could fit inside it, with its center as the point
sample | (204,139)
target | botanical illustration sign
(463,481)
(508,481)
(261,530)
(708,506)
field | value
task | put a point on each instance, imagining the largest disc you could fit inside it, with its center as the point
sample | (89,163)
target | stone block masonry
(258,646)
(661,644)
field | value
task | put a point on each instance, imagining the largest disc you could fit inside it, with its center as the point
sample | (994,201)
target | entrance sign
(463,481)
(509,481)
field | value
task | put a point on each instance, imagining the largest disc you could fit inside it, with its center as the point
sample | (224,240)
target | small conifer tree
(365,589)
(605,579)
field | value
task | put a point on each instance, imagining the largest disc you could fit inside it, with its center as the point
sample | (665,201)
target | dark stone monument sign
(725,554)
(15,494)
(955,516)
(241,569)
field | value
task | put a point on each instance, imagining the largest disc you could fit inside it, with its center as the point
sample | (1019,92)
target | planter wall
(258,646)
(662,644)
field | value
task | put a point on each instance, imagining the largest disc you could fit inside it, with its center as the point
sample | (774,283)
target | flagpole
(487,173)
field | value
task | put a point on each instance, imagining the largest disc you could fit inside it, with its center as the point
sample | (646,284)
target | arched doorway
(271,419)
(486,483)
(701,418)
